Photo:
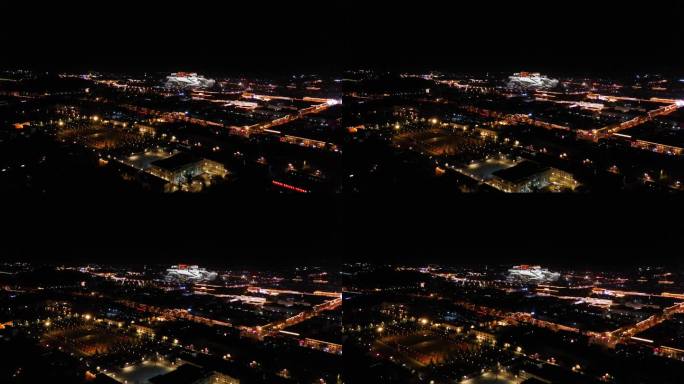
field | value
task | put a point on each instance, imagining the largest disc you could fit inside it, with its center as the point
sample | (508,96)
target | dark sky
(606,35)
(620,230)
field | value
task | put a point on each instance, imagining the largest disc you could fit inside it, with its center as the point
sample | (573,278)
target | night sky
(587,36)
(611,231)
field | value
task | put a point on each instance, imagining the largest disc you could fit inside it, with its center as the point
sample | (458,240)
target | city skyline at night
(354,131)
(341,192)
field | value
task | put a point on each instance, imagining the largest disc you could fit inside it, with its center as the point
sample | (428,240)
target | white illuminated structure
(531,273)
(530,81)
(243,104)
(183,272)
(185,80)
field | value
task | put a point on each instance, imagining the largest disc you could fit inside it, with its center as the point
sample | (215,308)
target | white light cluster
(184,80)
(189,273)
(528,81)
(527,273)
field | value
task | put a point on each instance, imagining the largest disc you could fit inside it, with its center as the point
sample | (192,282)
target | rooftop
(176,161)
(186,373)
(520,171)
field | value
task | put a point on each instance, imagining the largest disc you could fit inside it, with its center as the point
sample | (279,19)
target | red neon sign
(288,186)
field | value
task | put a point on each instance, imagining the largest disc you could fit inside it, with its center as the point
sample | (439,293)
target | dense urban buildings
(341,192)
(126,319)
(227,141)
(522,324)
(353,131)
(362,323)
(160,324)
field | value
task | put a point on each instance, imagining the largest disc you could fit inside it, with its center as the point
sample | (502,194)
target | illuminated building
(183,272)
(243,104)
(253,300)
(531,273)
(529,176)
(185,80)
(321,345)
(482,336)
(530,81)
(218,378)
(182,167)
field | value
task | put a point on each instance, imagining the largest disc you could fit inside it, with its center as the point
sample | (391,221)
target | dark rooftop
(101,378)
(184,374)
(176,161)
(520,171)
